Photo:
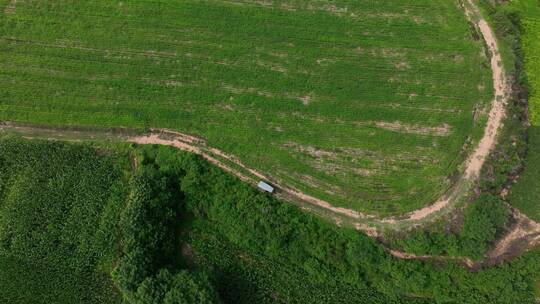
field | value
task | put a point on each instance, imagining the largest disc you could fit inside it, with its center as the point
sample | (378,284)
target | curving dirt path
(501,86)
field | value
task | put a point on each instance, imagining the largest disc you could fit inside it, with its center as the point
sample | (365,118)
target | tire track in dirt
(10,7)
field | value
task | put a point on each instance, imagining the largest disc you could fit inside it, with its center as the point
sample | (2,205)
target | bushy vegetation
(367,106)
(517,23)
(147,227)
(149,242)
(57,223)
(263,251)
(525,194)
(190,233)
(483,222)
(181,288)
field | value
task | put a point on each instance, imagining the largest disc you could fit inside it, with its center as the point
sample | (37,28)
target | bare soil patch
(10,8)
(523,236)
(443,130)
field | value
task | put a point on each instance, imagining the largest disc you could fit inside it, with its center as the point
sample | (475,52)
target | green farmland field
(58,207)
(367,104)
(525,195)
(529,11)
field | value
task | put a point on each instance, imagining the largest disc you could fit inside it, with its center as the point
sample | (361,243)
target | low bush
(483,221)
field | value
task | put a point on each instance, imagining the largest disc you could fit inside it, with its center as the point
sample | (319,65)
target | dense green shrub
(483,221)
(181,288)
(149,228)
(264,251)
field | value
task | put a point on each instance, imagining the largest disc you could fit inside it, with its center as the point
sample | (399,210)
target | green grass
(525,195)
(329,97)
(57,223)
(529,12)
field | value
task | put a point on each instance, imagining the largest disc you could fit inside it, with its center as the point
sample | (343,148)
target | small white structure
(265,187)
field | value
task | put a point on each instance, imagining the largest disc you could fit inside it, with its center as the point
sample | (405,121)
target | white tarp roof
(266,187)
